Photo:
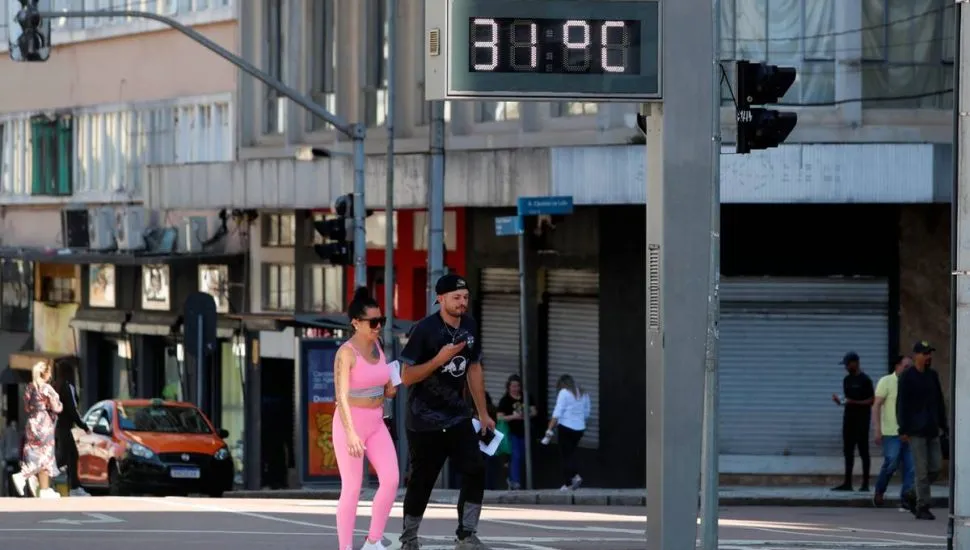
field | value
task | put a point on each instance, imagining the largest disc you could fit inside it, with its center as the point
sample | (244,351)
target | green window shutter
(38,136)
(65,155)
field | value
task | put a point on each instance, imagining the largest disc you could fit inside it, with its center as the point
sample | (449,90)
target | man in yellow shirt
(895,451)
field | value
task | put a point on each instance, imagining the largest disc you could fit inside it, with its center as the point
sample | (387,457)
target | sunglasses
(374,322)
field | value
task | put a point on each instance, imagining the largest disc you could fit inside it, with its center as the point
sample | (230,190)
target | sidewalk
(729,496)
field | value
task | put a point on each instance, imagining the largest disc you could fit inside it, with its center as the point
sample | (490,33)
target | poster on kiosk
(318,406)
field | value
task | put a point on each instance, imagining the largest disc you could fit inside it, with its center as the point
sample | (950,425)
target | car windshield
(162,418)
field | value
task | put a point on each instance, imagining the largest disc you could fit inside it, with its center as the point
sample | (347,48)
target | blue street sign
(550,206)
(508,226)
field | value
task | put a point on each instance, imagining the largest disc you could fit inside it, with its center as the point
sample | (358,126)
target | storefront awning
(82,257)
(25,360)
(10,344)
(98,320)
(14,376)
(338,321)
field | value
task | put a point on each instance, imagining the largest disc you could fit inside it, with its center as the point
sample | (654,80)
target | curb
(580,498)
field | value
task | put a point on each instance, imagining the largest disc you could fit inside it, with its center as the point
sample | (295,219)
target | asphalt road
(109,523)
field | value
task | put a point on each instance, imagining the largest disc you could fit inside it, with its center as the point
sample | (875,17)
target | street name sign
(508,226)
(545,206)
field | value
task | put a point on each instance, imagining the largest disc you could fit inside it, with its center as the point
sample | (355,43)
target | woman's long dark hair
(566,381)
(361,302)
(508,383)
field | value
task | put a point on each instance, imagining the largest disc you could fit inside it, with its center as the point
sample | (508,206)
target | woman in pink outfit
(363,383)
(42,406)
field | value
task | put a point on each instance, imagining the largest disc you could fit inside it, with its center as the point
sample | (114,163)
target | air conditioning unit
(75,227)
(101,228)
(193,233)
(130,228)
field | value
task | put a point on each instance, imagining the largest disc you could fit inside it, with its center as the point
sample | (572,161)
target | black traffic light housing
(338,233)
(762,84)
(34,42)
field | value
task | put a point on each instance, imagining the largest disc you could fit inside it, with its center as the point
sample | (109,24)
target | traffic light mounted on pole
(337,233)
(762,84)
(33,43)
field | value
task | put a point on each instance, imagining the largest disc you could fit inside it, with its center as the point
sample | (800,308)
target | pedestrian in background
(857,397)
(69,418)
(569,417)
(512,411)
(895,452)
(921,414)
(42,406)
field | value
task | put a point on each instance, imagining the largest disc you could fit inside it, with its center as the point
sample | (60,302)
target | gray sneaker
(470,542)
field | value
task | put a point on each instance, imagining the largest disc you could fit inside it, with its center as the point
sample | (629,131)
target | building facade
(105,276)
(836,240)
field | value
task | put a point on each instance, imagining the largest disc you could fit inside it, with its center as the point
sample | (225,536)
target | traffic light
(33,41)
(337,233)
(762,84)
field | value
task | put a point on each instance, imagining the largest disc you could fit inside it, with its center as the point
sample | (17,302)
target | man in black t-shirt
(857,398)
(441,358)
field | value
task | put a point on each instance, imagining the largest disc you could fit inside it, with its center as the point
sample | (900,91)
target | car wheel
(115,487)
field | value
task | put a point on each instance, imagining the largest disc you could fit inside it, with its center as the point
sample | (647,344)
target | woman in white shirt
(570,414)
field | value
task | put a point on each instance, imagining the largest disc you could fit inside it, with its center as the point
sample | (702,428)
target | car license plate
(185,473)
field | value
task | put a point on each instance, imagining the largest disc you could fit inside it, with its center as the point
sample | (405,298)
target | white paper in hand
(395,368)
(496,441)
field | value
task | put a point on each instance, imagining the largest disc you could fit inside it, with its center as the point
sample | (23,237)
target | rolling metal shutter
(780,344)
(500,328)
(573,341)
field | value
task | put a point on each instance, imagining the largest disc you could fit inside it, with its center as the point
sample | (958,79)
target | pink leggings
(380,451)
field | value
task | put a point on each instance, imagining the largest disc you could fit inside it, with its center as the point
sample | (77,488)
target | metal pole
(390,349)
(240,63)
(360,208)
(436,200)
(389,201)
(524,357)
(709,447)
(958,521)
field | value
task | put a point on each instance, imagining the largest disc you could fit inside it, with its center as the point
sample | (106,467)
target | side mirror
(223,433)
(101,430)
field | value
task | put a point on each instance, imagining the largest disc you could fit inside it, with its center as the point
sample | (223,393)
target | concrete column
(848,59)
(350,37)
(253,401)
(246,104)
(296,15)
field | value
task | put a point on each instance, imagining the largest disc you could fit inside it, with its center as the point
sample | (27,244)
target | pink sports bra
(367,379)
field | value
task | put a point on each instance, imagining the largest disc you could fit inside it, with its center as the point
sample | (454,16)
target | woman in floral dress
(42,406)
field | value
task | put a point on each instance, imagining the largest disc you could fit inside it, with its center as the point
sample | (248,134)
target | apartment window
(279,287)
(421,230)
(279,230)
(795,33)
(273,116)
(323,60)
(326,288)
(52,155)
(58,290)
(574,108)
(375,91)
(497,111)
(16,285)
(908,51)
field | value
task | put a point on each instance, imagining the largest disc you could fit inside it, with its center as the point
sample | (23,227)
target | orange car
(152,446)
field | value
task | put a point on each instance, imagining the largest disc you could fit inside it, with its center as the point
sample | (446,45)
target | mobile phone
(487,437)
(461,338)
